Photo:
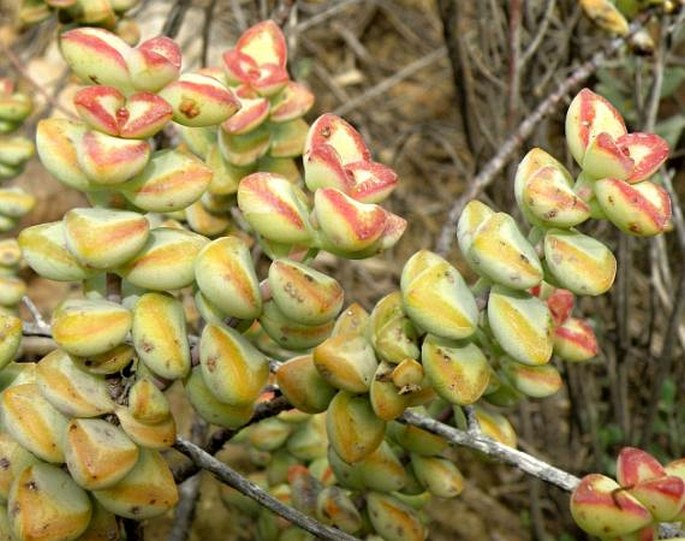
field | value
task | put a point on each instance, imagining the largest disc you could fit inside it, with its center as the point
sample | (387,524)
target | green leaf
(671,129)
(673,78)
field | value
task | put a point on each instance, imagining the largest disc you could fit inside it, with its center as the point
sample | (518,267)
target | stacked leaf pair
(15,151)
(265,134)
(109,154)
(90,416)
(108,14)
(343,215)
(71,471)
(644,494)
(617,167)
(614,184)
(363,377)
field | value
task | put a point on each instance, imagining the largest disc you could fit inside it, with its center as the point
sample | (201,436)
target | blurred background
(437,87)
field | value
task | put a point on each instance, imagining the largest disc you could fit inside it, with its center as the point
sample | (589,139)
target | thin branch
(281,14)
(239,15)
(324,15)
(206,33)
(541,31)
(219,438)
(189,492)
(658,83)
(665,359)
(20,68)
(472,424)
(233,479)
(622,350)
(462,74)
(478,441)
(174,20)
(35,314)
(515,71)
(391,81)
(353,42)
(487,175)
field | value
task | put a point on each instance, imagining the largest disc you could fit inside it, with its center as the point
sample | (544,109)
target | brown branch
(622,348)
(462,74)
(515,71)
(387,84)
(174,20)
(319,18)
(206,32)
(281,14)
(665,358)
(20,68)
(534,45)
(239,15)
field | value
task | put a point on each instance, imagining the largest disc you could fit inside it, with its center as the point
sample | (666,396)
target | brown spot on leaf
(211,363)
(189,107)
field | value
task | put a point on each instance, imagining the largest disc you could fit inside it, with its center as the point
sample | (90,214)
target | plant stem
(233,479)
(478,441)
(220,437)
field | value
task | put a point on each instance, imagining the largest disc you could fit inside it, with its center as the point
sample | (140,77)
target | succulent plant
(644,494)
(174,289)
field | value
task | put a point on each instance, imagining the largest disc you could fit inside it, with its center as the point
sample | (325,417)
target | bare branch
(233,479)
(189,492)
(515,71)
(336,8)
(281,14)
(391,81)
(462,73)
(206,33)
(219,438)
(174,21)
(20,67)
(239,15)
(539,35)
(35,314)
(478,441)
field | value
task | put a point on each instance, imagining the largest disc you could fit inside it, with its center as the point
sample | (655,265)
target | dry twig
(233,479)
(478,441)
